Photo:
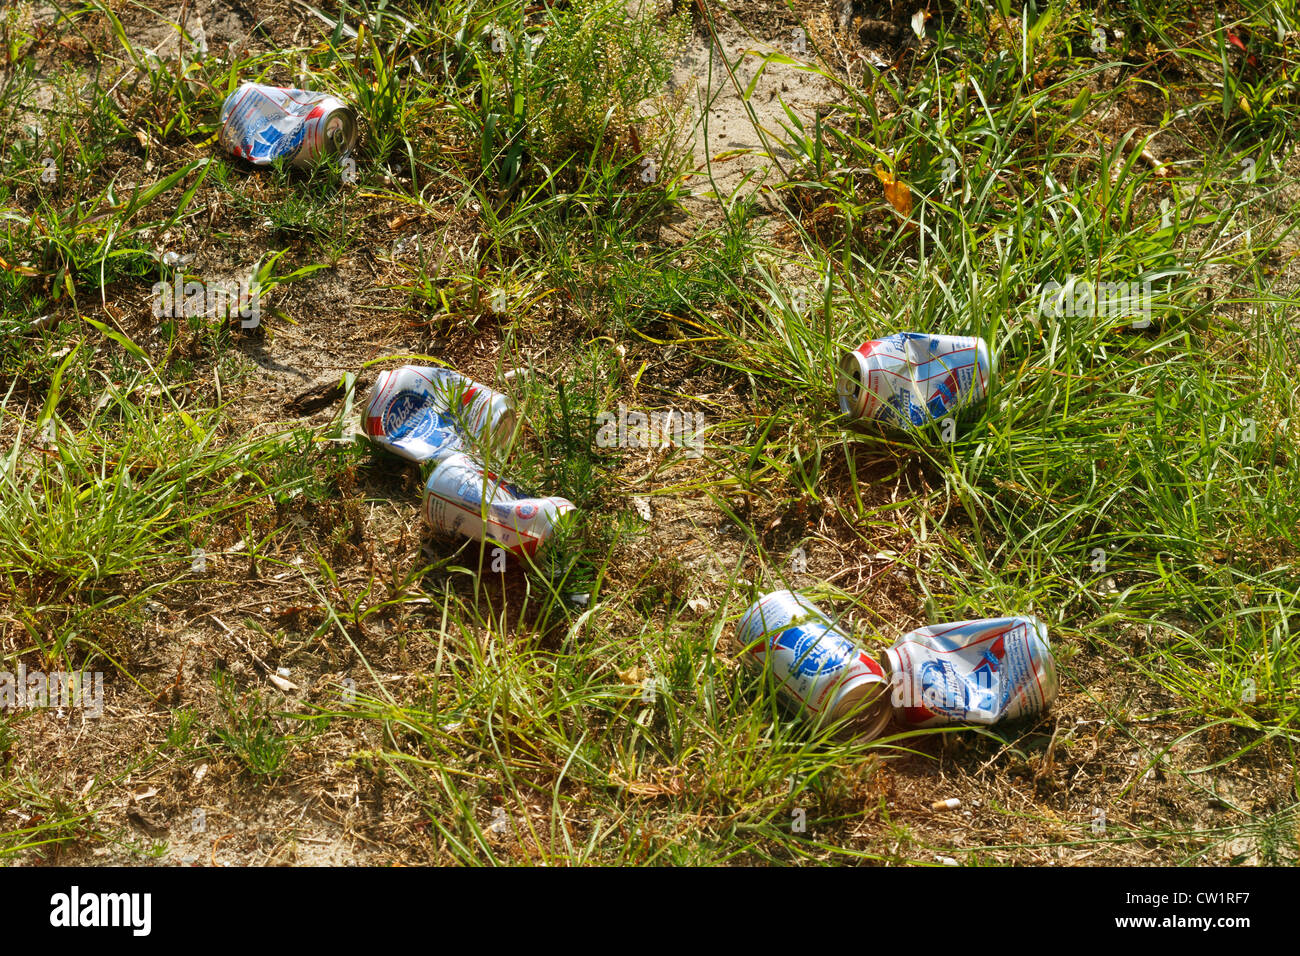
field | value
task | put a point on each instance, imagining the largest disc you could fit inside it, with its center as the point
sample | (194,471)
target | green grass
(1135,488)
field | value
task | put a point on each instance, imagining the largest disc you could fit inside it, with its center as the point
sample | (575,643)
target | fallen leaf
(282,683)
(662,785)
(896,191)
(150,826)
(318,396)
(20,270)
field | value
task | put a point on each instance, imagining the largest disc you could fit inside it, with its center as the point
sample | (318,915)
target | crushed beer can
(461,497)
(972,672)
(262,123)
(817,666)
(911,379)
(425,414)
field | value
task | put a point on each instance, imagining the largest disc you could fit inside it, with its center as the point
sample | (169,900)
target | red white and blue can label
(911,379)
(463,498)
(261,123)
(973,672)
(425,414)
(816,665)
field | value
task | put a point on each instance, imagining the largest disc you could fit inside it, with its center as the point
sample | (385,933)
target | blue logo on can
(817,650)
(271,142)
(411,415)
(942,689)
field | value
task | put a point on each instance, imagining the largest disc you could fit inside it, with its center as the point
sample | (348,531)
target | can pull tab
(347,165)
(334,132)
(854,385)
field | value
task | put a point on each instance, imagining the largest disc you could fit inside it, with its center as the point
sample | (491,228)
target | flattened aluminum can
(463,498)
(973,672)
(262,123)
(424,414)
(816,665)
(911,379)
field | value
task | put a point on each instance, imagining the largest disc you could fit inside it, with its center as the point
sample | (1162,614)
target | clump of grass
(600,67)
(250,732)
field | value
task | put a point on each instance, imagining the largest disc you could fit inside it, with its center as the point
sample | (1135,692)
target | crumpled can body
(261,123)
(425,414)
(911,379)
(463,498)
(972,672)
